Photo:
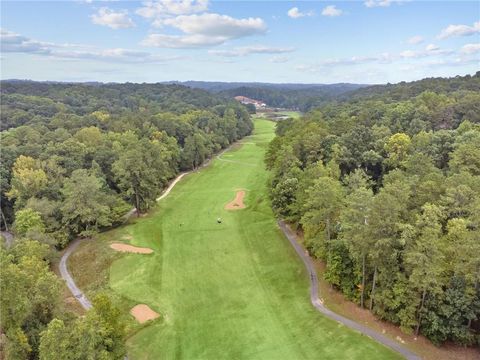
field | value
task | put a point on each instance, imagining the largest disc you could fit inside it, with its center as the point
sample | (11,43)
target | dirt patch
(130,248)
(142,313)
(236,203)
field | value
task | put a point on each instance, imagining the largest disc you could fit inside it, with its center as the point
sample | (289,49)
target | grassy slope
(234,290)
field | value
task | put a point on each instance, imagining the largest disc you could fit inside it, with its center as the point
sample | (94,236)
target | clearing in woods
(234,290)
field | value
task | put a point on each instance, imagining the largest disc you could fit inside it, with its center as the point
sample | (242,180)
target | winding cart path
(79,295)
(65,274)
(317,303)
(314,298)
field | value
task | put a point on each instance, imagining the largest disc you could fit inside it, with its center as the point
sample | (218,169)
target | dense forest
(75,159)
(386,189)
(384,183)
(301,97)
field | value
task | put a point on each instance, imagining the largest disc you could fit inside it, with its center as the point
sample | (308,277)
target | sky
(364,41)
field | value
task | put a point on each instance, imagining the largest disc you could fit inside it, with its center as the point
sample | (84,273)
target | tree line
(302,98)
(75,159)
(34,322)
(387,194)
(71,174)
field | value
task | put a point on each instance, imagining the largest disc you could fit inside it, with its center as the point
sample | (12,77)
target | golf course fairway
(229,290)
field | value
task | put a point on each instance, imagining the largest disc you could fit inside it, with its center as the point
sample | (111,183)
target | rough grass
(234,290)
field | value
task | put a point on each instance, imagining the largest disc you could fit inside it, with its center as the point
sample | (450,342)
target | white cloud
(331,10)
(278,59)
(430,50)
(459,30)
(414,40)
(205,30)
(16,43)
(182,41)
(294,13)
(91,1)
(307,68)
(470,48)
(112,19)
(248,50)
(13,42)
(458,61)
(380,3)
(116,55)
(217,25)
(431,47)
(383,58)
(409,54)
(160,9)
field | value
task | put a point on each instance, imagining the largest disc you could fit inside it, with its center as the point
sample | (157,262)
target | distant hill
(301,97)
(293,96)
(218,86)
(405,90)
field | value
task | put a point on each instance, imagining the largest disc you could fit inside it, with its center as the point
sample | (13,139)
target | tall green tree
(324,206)
(195,151)
(355,221)
(28,180)
(424,257)
(98,335)
(30,297)
(27,220)
(142,171)
(84,209)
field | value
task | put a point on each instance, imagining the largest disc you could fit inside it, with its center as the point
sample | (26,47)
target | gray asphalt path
(320,307)
(8,236)
(79,295)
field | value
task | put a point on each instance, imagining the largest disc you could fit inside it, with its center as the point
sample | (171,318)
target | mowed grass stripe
(234,290)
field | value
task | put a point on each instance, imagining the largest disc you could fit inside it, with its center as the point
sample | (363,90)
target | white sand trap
(142,313)
(130,249)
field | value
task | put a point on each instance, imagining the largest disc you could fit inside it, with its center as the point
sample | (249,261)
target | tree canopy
(386,188)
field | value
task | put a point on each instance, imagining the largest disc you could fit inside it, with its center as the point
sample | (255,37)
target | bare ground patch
(142,313)
(236,203)
(130,248)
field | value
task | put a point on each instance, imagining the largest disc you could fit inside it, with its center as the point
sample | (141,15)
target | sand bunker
(237,203)
(130,248)
(142,313)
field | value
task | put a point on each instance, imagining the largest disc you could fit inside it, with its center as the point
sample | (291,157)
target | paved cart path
(316,302)
(8,236)
(314,298)
(79,295)
(65,274)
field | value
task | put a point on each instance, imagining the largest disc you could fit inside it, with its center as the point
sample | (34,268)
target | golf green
(229,290)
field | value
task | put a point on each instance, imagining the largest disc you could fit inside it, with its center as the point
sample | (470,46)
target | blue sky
(368,41)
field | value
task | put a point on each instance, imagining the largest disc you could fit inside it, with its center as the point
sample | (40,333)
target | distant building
(245,100)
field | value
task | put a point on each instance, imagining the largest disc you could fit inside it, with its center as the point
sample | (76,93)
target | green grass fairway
(292,114)
(234,290)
